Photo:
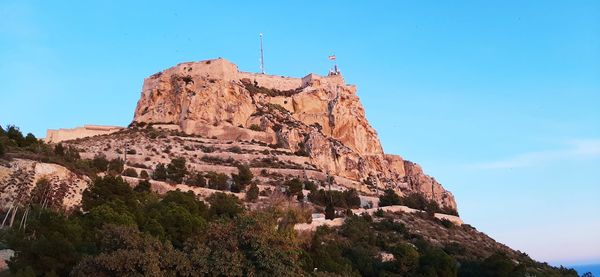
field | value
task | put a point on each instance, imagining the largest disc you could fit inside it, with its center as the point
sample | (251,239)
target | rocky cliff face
(317,117)
(19,180)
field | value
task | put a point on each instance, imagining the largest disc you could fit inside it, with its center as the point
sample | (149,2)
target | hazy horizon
(498,102)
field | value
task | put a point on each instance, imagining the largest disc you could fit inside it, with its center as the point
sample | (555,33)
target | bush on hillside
(176,170)
(218,181)
(130,172)
(144,174)
(160,172)
(242,179)
(252,193)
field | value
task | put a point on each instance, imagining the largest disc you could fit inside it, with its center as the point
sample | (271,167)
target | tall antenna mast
(262,56)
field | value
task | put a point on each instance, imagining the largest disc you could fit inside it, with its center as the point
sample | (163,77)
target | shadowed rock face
(318,117)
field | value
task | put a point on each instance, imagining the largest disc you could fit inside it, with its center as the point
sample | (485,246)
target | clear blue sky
(499,101)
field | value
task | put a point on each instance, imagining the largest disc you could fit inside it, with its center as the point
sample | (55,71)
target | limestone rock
(19,177)
(320,117)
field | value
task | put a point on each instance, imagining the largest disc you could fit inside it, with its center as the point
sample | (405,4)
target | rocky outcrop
(19,178)
(320,117)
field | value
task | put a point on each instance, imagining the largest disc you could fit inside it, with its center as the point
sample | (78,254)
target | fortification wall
(225,70)
(56,136)
(272,81)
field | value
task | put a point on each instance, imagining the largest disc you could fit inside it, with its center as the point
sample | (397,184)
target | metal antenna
(262,56)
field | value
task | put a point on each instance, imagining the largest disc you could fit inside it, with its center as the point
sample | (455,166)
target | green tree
(14,135)
(416,201)
(30,139)
(49,244)
(389,198)
(176,170)
(309,185)
(125,251)
(406,258)
(2,150)
(217,180)
(293,187)
(106,189)
(435,262)
(351,198)
(177,223)
(144,174)
(130,172)
(113,212)
(196,179)
(242,179)
(59,149)
(143,186)
(160,172)
(224,205)
(99,162)
(115,166)
(329,211)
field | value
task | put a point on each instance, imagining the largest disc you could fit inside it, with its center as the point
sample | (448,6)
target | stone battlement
(226,70)
(56,136)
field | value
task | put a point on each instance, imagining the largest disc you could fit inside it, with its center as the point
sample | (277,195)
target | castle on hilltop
(226,70)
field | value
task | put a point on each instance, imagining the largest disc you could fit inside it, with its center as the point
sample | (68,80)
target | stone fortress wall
(56,136)
(223,69)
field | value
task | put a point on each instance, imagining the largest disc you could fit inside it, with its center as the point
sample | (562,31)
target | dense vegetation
(14,145)
(413,200)
(13,138)
(121,230)
(125,231)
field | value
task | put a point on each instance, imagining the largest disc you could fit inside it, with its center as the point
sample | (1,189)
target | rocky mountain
(317,117)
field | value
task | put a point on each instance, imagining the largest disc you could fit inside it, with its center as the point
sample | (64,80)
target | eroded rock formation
(19,185)
(318,117)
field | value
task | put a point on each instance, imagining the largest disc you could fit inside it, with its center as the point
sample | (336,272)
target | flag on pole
(332,57)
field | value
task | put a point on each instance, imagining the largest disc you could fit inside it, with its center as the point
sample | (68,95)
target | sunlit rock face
(319,117)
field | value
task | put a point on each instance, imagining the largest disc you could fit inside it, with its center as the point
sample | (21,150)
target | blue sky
(499,101)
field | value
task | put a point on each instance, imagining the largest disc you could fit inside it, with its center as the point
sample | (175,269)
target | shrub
(105,190)
(342,199)
(59,150)
(293,187)
(235,149)
(379,213)
(243,178)
(115,166)
(196,179)
(351,198)
(255,127)
(144,174)
(14,135)
(217,180)
(309,185)
(224,205)
(329,211)
(2,151)
(143,186)
(29,140)
(252,194)
(389,198)
(446,223)
(176,170)
(130,172)
(100,162)
(160,172)
(300,196)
